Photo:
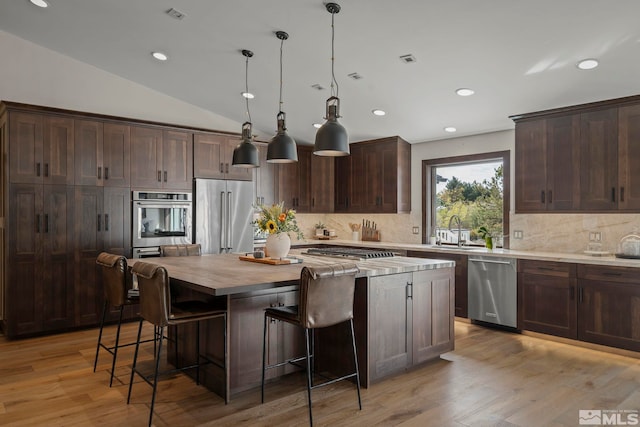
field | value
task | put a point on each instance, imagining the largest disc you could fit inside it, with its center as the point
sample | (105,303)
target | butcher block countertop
(226,274)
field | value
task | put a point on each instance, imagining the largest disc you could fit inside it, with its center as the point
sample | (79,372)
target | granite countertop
(533,255)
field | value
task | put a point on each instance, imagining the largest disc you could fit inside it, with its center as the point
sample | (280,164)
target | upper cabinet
(41,151)
(213,156)
(578,159)
(161,158)
(265,178)
(376,178)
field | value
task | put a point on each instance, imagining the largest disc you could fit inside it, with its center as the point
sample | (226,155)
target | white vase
(278,245)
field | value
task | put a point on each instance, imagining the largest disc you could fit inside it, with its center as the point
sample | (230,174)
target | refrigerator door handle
(229,228)
(222,224)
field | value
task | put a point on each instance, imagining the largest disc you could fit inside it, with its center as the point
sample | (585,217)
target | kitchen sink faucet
(457,219)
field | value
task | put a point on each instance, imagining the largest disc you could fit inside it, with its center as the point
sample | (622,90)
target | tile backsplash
(570,233)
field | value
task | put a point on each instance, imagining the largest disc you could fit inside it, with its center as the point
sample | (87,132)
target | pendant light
(332,138)
(282,148)
(245,155)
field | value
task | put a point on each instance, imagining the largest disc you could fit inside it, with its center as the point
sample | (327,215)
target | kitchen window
(473,189)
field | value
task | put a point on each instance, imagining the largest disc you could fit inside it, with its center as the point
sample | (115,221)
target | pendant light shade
(245,155)
(282,148)
(332,138)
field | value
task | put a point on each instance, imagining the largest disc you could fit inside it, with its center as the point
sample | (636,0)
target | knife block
(370,235)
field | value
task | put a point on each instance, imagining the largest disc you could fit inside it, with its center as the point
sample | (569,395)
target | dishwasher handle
(490,261)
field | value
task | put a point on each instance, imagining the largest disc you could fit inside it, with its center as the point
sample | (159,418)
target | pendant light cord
(333,76)
(280,103)
(246,86)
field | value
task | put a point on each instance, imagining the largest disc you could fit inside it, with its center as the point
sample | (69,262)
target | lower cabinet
(410,318)
(591,303)
(246,319)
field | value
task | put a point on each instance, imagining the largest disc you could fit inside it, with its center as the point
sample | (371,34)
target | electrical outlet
(416,230)
(595,236)
(517,234)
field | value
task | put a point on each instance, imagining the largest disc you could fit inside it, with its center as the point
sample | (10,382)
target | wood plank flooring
(493,378)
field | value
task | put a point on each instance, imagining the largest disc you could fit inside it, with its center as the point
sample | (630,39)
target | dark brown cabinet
(322,184)
(41,149)
(547,298)
(265,178)
(628,155)
(377,177)
(161,158)
(609,306)
(102,154)
(295,181)
(40,283)
(213,155)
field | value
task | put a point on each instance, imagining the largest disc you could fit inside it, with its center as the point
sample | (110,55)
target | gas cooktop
(350,253)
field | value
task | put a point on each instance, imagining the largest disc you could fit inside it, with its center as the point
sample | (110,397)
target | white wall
(35,75)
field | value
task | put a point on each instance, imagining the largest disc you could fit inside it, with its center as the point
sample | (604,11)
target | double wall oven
(160,218)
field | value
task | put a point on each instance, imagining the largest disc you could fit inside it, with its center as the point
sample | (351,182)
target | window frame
(429,188)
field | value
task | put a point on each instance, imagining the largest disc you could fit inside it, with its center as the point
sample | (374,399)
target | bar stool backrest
(155,297)
(326,295)
(114,272)
(181,250)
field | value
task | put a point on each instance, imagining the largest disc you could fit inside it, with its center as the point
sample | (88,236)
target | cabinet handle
(622,194)
(46,169)
(159,176)
(46,223)
(106,172)
(550,196)
(221,167)
(409,290)
(106,222)
(99,172)
(613,194)
(313,202)
(99,222)
(546,269)
(580,294)
(226,168)
(37,169)
(346,202)
(262,200)
(165,176)
(37,223)
(609,273)
(542,196)
(572,293)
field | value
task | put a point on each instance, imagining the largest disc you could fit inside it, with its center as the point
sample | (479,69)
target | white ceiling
(518,55)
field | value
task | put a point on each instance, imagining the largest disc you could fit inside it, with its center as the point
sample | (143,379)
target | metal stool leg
(264,356)
(135,360)
(104,314)
(115,349)
(306,337)
(155,377)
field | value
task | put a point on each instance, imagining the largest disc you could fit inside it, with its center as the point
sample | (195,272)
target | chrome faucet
(457,219)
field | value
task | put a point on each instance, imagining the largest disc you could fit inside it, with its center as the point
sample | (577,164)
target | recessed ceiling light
(588,64)
(317,125)
(450,129)
(465,91)
(248,95)
(160,56)
(379,112)
(40,3)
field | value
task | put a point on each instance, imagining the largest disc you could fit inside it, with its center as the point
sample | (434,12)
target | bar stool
(181,250)
(326,299)
(157,308)
(117,282)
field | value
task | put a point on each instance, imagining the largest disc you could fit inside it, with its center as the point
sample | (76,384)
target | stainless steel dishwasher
(493,290)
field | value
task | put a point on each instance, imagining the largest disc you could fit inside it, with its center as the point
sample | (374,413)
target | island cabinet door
(389,325)
(432,295)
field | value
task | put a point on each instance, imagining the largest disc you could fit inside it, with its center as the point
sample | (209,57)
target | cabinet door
(177,160)
(628,155)
(116,155)
(25,267)
(389,325)
(372,176)
(547,304)
(209,156)
(343,183)
(599,160)
(265,178)
(563,172)
(89,226)
(58,154)
(288,187)
(531,166)
(58,263)
(304,174)
(88,151)
(26,145)
(117,221)
(387,176)
(323,185)
(609,314)
(432,296)
(146,157)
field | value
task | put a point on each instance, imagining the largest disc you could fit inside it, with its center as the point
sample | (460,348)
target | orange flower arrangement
(277,219)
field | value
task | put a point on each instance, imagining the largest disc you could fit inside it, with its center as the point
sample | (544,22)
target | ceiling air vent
(354,76)
(317,86)
(408,59)
(176,14)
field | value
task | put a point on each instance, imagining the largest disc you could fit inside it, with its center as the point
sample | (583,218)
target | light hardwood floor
(493,378)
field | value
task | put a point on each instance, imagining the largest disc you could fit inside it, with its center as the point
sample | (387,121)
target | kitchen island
(403,315)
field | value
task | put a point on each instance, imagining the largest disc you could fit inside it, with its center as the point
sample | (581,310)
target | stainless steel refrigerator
(223,215)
